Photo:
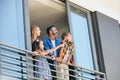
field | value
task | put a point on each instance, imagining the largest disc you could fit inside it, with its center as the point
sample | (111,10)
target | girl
(65,54)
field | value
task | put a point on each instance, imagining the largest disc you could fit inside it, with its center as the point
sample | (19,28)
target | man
(50,42)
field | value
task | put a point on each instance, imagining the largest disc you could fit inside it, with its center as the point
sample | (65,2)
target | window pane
(80,32)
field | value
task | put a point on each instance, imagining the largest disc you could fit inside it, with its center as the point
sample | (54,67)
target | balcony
(17,64)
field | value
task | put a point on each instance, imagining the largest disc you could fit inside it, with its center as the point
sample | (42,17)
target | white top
(53,43)
(66,55)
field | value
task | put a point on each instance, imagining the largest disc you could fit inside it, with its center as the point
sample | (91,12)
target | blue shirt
(48,45)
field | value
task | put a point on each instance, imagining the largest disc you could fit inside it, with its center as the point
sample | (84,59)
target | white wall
(108,7)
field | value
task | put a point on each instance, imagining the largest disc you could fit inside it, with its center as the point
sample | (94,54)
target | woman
(41,64)
(65,54)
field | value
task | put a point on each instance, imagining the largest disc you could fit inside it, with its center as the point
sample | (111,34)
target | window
(82,35)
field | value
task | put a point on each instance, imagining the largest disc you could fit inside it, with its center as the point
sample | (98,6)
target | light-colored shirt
(53,43)
(66,55)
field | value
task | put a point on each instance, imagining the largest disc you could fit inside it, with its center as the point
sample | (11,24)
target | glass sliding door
(12,34)
(79,27)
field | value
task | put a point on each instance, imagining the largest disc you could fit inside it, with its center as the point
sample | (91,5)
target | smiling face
(54,31)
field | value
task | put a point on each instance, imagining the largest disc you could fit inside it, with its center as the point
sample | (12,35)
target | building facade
(95,34)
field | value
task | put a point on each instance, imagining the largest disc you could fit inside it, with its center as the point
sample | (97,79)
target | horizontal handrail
(23,53)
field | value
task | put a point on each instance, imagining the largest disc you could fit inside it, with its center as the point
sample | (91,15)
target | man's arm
(47,47)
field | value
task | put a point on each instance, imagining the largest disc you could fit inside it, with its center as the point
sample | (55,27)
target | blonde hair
(32,30)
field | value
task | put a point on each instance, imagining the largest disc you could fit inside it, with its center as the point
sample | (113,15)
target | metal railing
(17,64)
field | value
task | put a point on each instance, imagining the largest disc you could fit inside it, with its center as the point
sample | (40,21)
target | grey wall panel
(110,42)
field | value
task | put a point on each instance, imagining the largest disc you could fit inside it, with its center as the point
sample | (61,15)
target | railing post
(82,74)
(105,77)
(0,65)
(29,67)
(21,65)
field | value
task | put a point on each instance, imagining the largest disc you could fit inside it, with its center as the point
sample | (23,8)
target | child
(42,64)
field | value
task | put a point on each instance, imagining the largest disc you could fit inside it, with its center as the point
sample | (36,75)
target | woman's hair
(32,29)
(64,34)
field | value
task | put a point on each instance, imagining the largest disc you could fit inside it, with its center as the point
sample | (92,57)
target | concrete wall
(64,29)
(110,41)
